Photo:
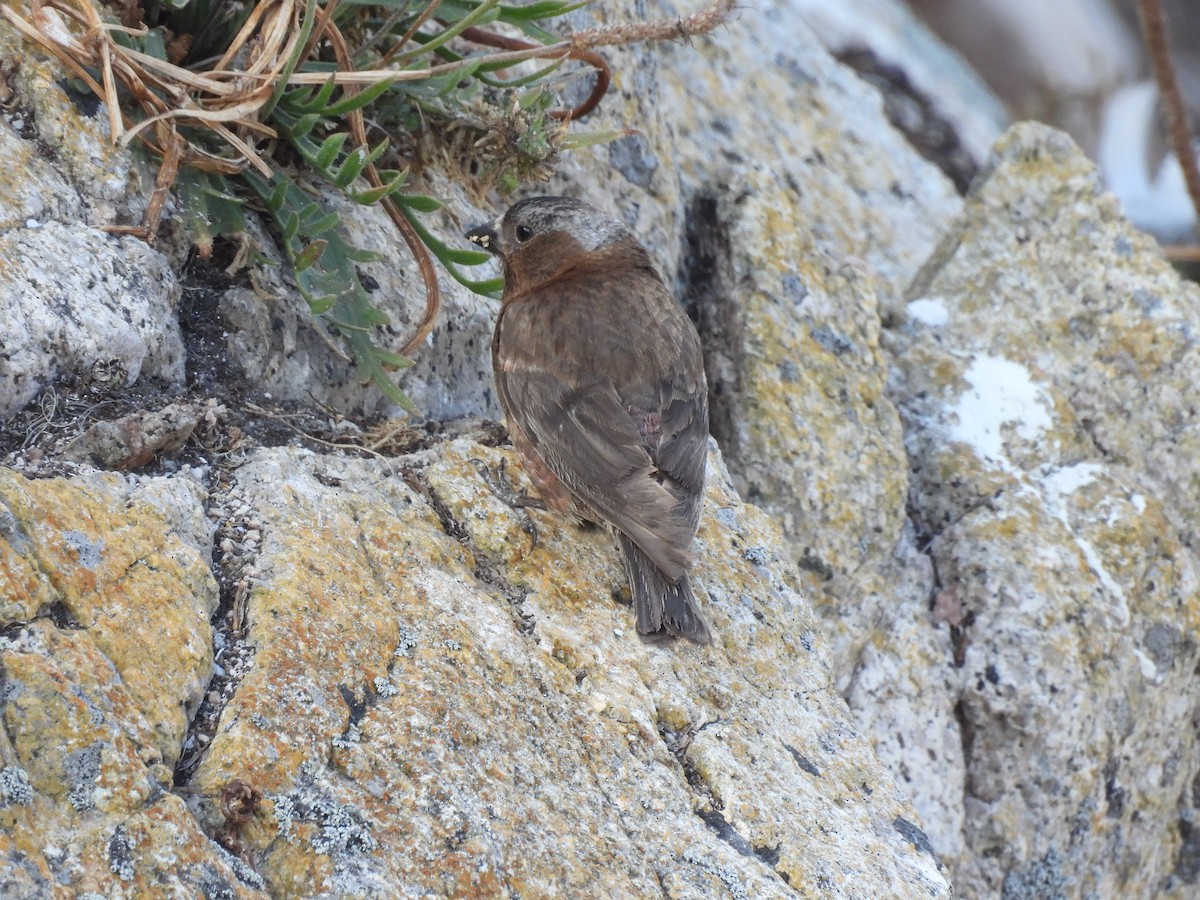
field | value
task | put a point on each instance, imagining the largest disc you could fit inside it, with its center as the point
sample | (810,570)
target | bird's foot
(502,488)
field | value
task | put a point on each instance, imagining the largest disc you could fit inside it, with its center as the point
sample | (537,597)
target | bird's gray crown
(589,226)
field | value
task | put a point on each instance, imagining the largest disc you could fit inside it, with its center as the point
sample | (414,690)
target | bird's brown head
(540,238)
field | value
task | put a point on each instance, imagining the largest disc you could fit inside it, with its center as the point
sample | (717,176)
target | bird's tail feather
(662,607)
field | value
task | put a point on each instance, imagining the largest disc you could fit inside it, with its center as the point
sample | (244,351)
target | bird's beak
(485,236)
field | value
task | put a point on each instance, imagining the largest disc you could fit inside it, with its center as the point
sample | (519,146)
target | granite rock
(106,650)
(79,303)
(966,432)
(439,707)
(1041,373)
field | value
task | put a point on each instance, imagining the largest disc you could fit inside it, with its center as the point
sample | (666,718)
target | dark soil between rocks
(236,416)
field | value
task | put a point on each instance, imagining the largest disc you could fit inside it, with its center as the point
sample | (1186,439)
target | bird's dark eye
(524,233)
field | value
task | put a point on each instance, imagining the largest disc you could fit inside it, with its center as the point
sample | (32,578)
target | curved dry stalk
(358,131)
(1155,29)
(603,72)
(408,35)
(229,98)
(168,169)
(433,291)
(324,20)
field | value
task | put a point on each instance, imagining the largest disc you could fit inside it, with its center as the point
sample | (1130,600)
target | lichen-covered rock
(94,560)
(106,649)
(791,247)
(61,162)
(76,299)
(32,191)
(799,401)
(766,114)
(440,707)
(439,695)
(1043,375)
(933,79)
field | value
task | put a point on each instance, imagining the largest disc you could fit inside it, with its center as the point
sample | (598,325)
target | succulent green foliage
(209,208)
(496,130)
(324,265)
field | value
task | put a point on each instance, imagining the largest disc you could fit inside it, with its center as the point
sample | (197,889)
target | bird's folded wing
(682,443)
(592,443)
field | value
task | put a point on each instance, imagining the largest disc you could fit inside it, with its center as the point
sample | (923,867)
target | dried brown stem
(681,28)
(1155,29)
(595,60)
(358,131)
(408,35)
(226,102)
(1183,253)
(172,144)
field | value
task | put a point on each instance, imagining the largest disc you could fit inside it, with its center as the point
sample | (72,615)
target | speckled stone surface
(60,161)
(71,296)
(970,433)
(763,110)
(438,708)
(76,300)
(1044,374)
(106,649)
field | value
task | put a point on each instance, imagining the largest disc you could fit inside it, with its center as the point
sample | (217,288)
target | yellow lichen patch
(80,779)
(426,718)
(325,617)
(813,395)
(27,187)
(25,589)
(81,144)
(98,687)
(141,596)
(570,568)
(294,872)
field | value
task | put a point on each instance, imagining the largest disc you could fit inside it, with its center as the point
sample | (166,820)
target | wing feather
(631,448)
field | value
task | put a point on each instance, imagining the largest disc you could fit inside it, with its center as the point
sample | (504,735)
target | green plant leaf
(328,277)
(289,224)
(363,98)
(395,359)
(309,255)
(420,203)
(275,200)
(308,100)
(371,196)
(510,84)
(349,171)
(330,148)
(462,16)
(355,254)
(318,306)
